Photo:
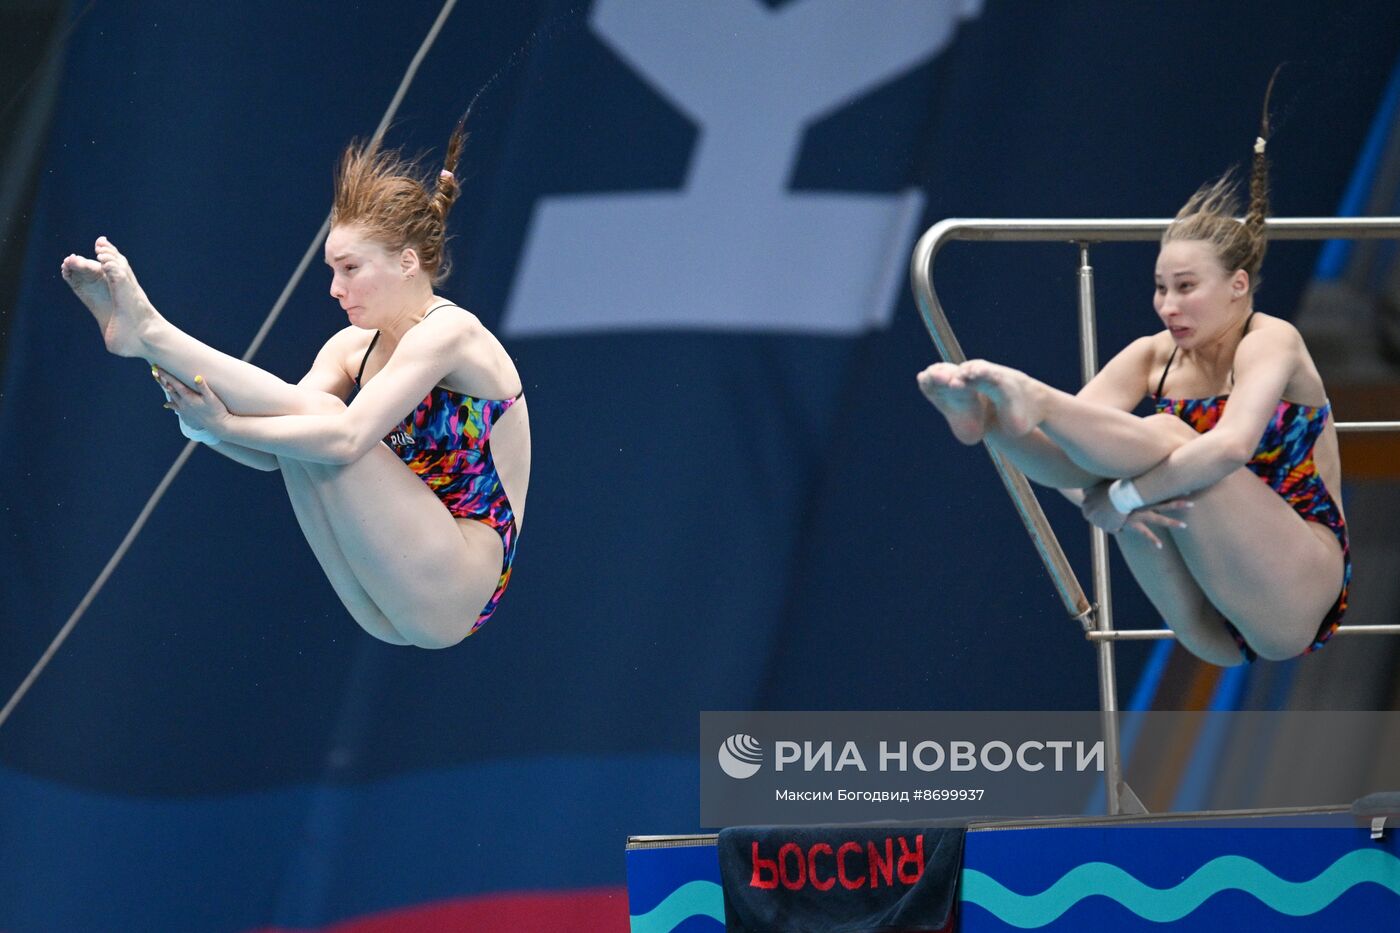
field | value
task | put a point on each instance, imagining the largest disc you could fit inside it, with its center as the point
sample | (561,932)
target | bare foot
(132,312)
(961,404)
(1017,398)
(85,277)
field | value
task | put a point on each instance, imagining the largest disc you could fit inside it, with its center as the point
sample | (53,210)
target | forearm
(1193,466)
(314,438)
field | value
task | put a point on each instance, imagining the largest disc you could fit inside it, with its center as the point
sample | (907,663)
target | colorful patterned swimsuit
(1284,460)
(446,440)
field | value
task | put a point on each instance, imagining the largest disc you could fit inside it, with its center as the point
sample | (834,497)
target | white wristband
(204,437)
(1124,496)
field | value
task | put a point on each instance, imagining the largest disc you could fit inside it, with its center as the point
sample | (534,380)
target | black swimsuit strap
(1161,382)
(365,359)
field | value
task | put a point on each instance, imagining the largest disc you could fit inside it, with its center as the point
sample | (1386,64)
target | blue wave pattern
(693,899)
(1165,905)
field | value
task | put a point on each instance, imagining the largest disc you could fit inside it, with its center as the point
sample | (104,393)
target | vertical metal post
(1103,597)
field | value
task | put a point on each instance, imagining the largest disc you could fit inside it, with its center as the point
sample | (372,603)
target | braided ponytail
(1259,170)
(1209,214)
(448,188)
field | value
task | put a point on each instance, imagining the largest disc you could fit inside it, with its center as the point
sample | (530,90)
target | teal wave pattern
(692,899)
(1165,905)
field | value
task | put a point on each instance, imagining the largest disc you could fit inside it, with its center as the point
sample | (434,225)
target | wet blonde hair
(1210,214)
(388,195)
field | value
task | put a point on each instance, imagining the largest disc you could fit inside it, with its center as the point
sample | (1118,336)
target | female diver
(405,449)
(1261,568)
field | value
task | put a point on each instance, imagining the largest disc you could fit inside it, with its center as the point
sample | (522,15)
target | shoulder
(1273,329)
(346,346)
(475,361)
(450,336)
(1154,348)
(1270,337)
(1123,380)
(1145,353)
(451,330)
(448,322)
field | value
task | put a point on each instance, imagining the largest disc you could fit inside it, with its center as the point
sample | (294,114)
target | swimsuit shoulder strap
(446,304)
(1161,382)
(365,359)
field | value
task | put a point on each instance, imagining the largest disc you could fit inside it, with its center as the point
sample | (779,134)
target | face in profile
(366,278)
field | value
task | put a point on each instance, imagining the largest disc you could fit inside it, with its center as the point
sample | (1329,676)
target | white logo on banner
(740,756)
(733,249)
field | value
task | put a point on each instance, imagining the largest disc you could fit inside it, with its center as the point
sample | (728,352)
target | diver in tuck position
(405,449)
(1237,567)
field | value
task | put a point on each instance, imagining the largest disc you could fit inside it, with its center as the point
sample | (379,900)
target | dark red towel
(840,879)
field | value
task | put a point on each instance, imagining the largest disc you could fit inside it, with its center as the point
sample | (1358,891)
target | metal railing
(1097,617)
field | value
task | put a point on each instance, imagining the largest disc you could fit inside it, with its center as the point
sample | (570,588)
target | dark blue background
(718,521)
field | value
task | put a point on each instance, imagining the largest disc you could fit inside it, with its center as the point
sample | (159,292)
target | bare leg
(1103,441)
(1272,574)
(1040,458)
(132,327)
(429,574)
(1173,590)
(1216,569)
(426,574)
(311,514)
(406,570)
